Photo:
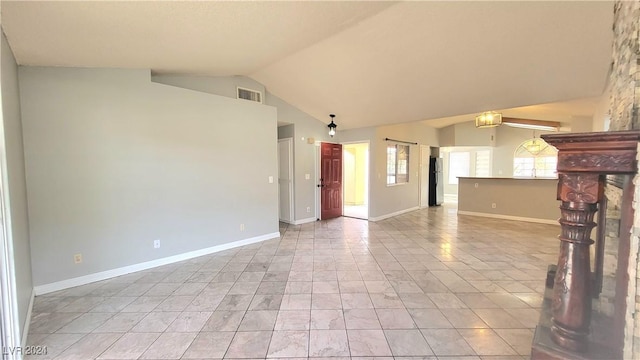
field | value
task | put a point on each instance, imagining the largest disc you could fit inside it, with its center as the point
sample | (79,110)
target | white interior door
(425,152)
(285,179)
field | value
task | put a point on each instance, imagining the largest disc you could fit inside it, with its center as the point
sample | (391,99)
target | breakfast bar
(523,199)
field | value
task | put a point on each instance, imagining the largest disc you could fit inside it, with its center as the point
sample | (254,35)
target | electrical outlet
(308,209)
(77,258)
(156,244)
(476,185)
(493,205)
(241,227)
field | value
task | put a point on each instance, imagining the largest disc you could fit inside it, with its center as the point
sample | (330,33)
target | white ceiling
(370,63)
(565,112)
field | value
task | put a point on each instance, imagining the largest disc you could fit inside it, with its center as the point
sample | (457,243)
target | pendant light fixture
(535,146)
(332,126)
(488,119)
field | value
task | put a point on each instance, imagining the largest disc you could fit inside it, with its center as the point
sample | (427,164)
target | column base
(545,347)
(571,340)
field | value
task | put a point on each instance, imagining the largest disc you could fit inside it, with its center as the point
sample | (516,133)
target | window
(458,165)
(535,158)
(483,163)
(397,164)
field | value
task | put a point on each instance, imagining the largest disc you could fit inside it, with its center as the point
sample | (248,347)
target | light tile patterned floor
(427,284)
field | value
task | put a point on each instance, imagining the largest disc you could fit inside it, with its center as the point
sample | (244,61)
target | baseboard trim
(386,216)
(509,217)
(103,275)
(304,221)
(27,320)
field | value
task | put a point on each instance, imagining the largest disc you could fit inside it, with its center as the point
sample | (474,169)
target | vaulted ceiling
(371,63)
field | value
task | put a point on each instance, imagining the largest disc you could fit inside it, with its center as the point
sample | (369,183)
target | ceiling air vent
(251,95)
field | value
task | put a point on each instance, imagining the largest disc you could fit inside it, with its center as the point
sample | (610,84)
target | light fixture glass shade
(332,126)
(534,148)
(488,119)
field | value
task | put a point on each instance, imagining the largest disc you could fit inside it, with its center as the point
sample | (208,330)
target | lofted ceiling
(370,63)
(564,112)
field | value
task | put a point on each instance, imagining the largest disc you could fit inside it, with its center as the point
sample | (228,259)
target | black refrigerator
(436,186)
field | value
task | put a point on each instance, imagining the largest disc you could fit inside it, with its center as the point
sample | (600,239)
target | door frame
(318,170)
(367,175)
(9,317)
(292,216)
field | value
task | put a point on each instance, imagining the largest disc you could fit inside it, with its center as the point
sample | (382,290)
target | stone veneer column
(624,111)
(625,73)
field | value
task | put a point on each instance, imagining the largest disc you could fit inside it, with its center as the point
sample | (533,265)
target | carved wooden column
(584,159)
(571,302)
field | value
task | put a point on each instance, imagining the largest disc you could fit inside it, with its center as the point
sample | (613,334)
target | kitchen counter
(524,199)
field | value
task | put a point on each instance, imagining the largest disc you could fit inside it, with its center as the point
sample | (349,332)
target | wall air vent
(251,95)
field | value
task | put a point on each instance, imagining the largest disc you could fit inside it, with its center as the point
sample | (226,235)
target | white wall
(447,136)
(115,161)
(466,134)
(218,85)
(286,131)
(304,126)
(581,124)
(601,115)
(386,200)
(14,182)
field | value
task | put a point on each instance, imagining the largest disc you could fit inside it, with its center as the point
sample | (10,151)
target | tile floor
(427,284)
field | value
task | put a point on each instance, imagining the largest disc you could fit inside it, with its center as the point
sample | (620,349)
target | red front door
(330,180)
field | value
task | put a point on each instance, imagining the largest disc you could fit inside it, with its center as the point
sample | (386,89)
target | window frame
(398,164)
(484,154)
(541,165)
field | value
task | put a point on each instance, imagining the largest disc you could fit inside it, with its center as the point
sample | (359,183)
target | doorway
(285,180)
(355,183)
(330,180)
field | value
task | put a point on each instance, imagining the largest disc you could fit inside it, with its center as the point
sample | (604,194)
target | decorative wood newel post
(584,161)
(571,303)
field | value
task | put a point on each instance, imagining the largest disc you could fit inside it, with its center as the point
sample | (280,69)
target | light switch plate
(307,176)
(270,179)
